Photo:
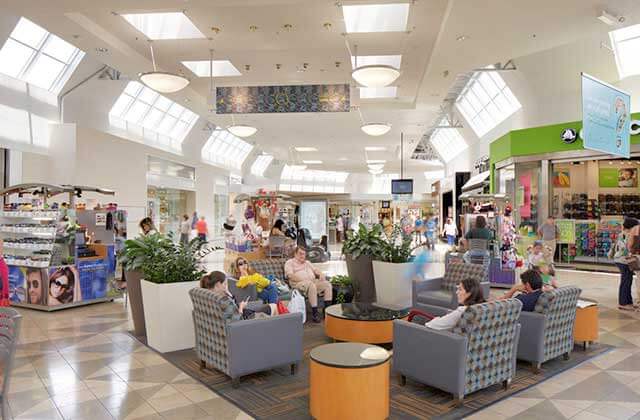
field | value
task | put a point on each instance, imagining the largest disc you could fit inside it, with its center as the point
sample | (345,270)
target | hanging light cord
(153,57)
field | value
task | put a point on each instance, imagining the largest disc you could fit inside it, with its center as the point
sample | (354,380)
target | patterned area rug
(278,395)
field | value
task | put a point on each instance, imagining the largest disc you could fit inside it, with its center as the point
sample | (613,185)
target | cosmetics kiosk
(60,255)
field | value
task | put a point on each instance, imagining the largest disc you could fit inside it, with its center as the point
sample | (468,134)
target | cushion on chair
(269,266)
(442,298)
(490,329)
(456,272)
(559,308)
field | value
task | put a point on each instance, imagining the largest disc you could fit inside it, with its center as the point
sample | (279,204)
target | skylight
(221,68)
(434,174)
(162,122)
(486,101)
(172,25)
(448,142)
(626,43)
(370,60)
(378,92)
(38,57)
(307,180)
(261,164)
(376,17)
(226,149)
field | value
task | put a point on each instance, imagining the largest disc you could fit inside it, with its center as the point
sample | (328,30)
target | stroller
(315,253)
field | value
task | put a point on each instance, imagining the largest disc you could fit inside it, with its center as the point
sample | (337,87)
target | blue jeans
(269,294)
(451,240)
(626,279)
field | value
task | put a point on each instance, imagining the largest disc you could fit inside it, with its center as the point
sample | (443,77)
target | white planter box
(167,313)
(393,284)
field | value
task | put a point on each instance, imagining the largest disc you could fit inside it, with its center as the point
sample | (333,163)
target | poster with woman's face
(64,286)
(628,177)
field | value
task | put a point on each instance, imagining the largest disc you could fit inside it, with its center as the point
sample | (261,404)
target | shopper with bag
(626,263)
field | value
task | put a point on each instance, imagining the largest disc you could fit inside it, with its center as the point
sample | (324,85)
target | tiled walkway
(81,364)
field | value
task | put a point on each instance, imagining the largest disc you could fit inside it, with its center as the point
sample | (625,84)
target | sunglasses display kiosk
(59,255)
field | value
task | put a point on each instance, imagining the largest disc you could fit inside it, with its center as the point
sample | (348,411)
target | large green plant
(367,242)
(396,247)
(140,249)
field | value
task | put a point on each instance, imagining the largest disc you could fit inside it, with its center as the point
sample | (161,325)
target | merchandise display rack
(29,237)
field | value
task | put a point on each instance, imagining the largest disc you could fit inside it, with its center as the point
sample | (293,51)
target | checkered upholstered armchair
(548,331)
(246,346)
(479,352)
(266,267)
(441,291)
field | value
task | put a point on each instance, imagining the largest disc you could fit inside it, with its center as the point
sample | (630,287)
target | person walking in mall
(310,281)
(451,231)
(620,254)
(185,229)
(202,229)
(339,228)
(549,233)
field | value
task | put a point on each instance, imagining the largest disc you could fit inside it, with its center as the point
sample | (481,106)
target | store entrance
(166,206)
(447,207)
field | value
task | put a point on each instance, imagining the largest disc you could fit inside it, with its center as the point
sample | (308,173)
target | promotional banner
(618,178)
(275,99)
(566,231)
(605,117)
(561,179)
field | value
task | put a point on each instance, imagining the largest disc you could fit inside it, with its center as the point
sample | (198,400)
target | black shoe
(316,318)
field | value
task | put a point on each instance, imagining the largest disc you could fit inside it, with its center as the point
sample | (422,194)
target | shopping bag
(297,304)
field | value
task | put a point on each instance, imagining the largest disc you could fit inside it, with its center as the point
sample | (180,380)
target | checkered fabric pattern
(559,307)
(210,329)
(456,272)
(490,329)
(273,266)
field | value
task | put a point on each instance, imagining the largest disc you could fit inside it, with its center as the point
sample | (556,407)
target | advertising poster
(618,178)
(17,293)
(566,231)
(561,179)
(525,208)
(27,285)
(605,117)
(101,219)
(64,285)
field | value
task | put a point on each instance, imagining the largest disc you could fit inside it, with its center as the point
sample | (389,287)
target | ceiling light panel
(378,92)
(376,17)
(312,162)
(374,161)
(372,60)
(626,43)
(375,148)
(306,149)
(156,26)
(221,68)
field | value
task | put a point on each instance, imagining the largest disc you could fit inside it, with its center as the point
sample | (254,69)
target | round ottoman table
(345,386)
(361,322)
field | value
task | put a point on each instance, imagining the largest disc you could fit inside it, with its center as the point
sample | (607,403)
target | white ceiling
(496,31)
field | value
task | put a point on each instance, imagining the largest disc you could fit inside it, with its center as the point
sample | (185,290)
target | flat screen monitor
(402,186)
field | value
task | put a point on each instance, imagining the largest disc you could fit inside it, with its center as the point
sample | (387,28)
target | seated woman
(246,275)
(278,228)
(468,292)
(216,281)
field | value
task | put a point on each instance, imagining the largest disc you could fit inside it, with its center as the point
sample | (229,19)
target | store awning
(477,181)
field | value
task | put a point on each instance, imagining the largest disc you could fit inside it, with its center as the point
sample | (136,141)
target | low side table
(345,386)
(361,322)
(585,329)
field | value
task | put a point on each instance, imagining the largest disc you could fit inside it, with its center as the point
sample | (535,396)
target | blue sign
(605,117)
(277,99)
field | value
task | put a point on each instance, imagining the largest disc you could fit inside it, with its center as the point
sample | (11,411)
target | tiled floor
(81,364)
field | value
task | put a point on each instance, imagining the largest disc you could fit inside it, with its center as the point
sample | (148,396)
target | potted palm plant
(392,270)
(359,249)
(168,275)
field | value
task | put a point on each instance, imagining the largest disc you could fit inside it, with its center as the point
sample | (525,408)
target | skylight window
(448,142)
(376,17)
(38,57)
(221,68)
(434,174)
(225,149)
(378,92)
(626,43)
(486,101)
(370,60)
(172,25)
(162,122)
(294,178)
(261,164)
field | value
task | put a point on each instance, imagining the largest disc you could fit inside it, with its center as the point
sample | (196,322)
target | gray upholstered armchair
(247,346)
(441,291)
(479,352)
(548,331)
(266,267)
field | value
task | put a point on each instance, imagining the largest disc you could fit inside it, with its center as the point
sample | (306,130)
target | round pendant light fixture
(161,81)
(375,75)
(240,130)
(375,129)
(376,166)
(375,172)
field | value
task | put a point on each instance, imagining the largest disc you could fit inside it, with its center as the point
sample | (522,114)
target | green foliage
(161,260)
(368,242)
(396,248)
(341,281)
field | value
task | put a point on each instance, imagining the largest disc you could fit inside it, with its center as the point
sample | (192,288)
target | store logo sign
(569,135)
(635,127)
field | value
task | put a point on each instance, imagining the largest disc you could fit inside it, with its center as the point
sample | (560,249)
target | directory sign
(605,117)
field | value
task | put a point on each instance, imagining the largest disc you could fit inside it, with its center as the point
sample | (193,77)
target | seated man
(529,291)
(303,276)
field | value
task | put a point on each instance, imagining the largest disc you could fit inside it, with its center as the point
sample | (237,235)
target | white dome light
(240,130)
(376,167)
(377,75)
(376,129)
(374,172)
(163,82)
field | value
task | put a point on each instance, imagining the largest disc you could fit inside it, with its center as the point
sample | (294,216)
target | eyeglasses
(57,283)
(33,284)
(241,263)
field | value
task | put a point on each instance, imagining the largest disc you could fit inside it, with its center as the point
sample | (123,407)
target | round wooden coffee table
(343,385)
(361,322)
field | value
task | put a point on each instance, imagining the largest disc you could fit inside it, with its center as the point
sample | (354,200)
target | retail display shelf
(44,215)
(32,230)
(29,246)
(26,263)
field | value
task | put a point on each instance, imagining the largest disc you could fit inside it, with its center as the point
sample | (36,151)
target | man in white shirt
(303,276)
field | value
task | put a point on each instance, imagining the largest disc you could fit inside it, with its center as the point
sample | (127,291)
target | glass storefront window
(221,211)
(166,207)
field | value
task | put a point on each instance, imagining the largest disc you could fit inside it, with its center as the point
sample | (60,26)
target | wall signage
(568,135)
(101,219)
(605,117)
(276,99)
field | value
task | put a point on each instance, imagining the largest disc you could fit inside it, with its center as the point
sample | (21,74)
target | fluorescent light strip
(312,162)
(306,149)
(221,68)
(375,148)
(172,25)
(369,161)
